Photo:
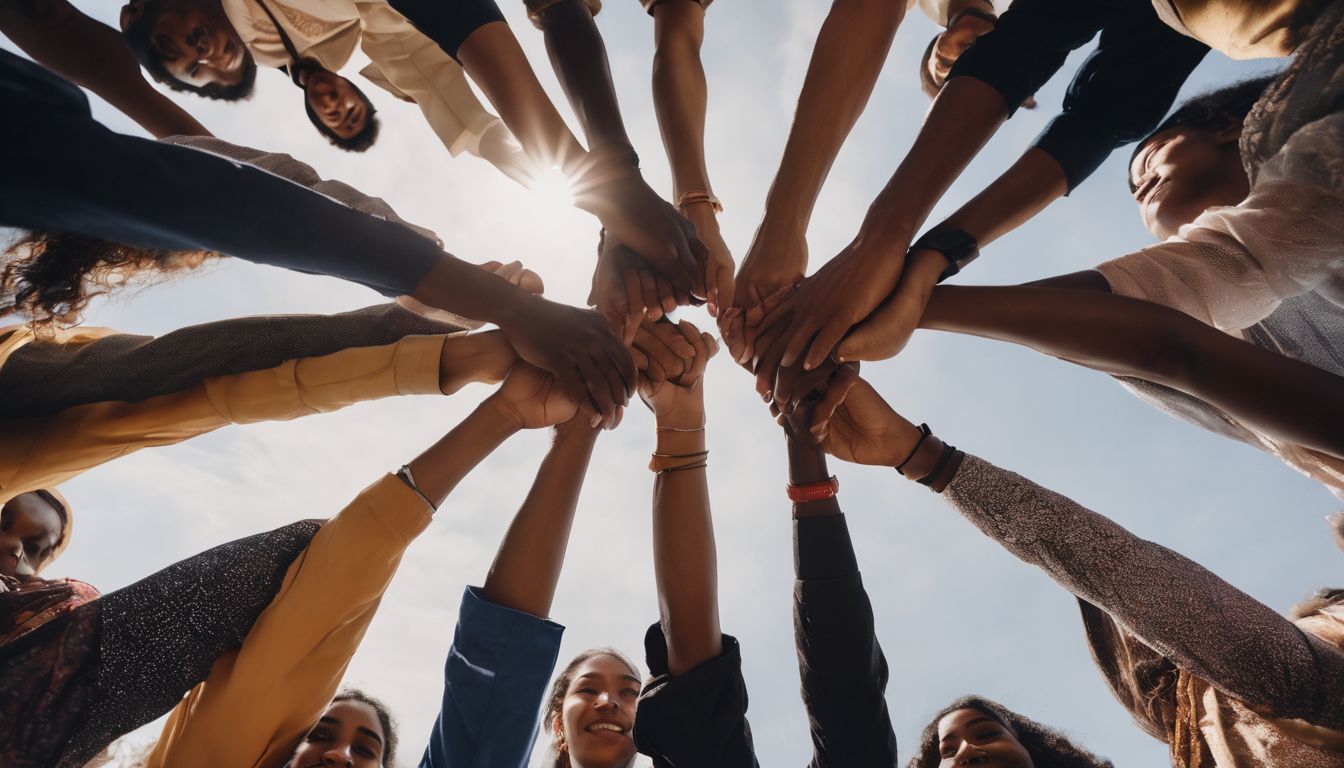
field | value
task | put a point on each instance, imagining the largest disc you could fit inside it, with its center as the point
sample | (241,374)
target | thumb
(882,335)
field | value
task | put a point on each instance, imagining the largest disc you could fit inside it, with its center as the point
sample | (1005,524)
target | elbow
(1170,357)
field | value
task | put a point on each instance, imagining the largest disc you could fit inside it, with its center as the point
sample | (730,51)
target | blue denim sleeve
(498,668)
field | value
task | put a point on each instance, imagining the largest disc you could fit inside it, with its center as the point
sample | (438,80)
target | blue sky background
(955,613)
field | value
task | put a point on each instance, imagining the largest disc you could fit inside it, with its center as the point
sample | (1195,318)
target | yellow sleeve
(44,452)
(416,67)
(260,699)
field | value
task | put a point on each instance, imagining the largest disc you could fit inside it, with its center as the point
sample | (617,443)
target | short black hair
(1048,748)
(139,37)
(1215,111)
(360,141)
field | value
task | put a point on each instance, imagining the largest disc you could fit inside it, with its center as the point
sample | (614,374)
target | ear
(558,733)
(1229,136)
(131,13)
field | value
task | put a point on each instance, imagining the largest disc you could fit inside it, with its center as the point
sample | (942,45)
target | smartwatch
(957,245)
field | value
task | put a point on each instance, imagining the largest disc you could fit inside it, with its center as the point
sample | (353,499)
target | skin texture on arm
(684,556)
(579,58)
(851,48)
(527,565)
(95,56)
(680,95)
(1284,398)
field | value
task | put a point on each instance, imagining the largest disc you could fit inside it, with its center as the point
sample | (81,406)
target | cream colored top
(1240,29)
(405,62)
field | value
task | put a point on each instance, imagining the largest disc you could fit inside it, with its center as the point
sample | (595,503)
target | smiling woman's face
(1182,171)
(598,713)
(198,45)
(349,735)
(971,737)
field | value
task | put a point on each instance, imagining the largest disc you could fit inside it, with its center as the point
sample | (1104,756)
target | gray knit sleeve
(1183,611)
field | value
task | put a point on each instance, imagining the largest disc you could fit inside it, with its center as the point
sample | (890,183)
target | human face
(336,103)
(598,713)
(1182,171)
(198,45)
(30,529)
(971,737)
(348,735)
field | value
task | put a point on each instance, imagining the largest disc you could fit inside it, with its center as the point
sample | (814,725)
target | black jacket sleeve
(697,719)
(448,22)
(65,172)
(843,670)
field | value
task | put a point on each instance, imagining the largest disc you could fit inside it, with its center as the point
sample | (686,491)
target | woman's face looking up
(595,721)
(971,737)
(348,735)
(1182,171)
(30,529)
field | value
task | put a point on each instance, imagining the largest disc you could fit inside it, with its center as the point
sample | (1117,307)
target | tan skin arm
(93,55)
(1284,398)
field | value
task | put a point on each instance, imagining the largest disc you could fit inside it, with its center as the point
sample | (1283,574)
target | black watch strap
(958,246)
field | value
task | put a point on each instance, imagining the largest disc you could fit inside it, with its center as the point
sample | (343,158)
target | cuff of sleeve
(1119,279)
(822,548)
(536,7)
(400,510)
(448,24)
(417,366)
(480,615)
(1079,147)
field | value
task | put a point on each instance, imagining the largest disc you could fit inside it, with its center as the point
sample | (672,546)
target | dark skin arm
(1284,398)
(580,60)
(92,54)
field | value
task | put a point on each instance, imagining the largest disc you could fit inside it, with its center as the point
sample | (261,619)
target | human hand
(887,330)
(575,345)
(661,352)
(474,357)
(679,402)
(514,272)
(774,261)
(826,306)
(853,423)
(719,266)
(625,288)
(531,398)
(634,214)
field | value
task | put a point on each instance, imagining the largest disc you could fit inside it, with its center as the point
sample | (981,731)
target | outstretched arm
(95,56)
(1284,398)
(1188,614)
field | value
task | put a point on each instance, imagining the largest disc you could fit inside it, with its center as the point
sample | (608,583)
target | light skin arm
(1284,398)
(851,48)
(94,55)
(684,558)
(527,565)
(680,96)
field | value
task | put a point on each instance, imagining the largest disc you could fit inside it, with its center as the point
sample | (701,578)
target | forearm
(963,117)
(95,56)
(807,464)
(1035,181)
(492,57)
(527,566)
(1177,607)
(579,58)
(850,51)
(684,558)
(442,466)
(680,92)
(1286,399)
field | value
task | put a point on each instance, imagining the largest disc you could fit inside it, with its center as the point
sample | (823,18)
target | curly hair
(361,141)
(51,277)
(1215,111)
(139,37)
(556,698)
(1048,748)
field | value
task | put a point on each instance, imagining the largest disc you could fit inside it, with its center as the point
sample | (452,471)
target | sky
(955,613)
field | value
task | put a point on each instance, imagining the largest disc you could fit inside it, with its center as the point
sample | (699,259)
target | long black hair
(1048,748)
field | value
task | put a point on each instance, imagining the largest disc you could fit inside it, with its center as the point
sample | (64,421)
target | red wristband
(826,489)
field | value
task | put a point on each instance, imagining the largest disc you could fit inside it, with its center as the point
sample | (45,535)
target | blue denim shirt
(498,669)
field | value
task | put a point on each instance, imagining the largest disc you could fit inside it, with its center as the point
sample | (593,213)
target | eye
(364,750)
(318,734)
(587,691)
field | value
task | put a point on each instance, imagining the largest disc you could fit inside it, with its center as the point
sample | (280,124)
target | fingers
(698,342)
(719,281)
(510,271)
(885,332)
(701,257)
(531,282)
(667,296)
(664,348)
(830,334)
(767,367)
(844,381)
(597,391)
(634,305)
(648,288)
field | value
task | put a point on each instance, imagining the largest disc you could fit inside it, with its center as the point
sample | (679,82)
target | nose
(604,701)
(337,757)
(967,752)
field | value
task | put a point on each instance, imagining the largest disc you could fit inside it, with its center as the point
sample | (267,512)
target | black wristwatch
(957,245)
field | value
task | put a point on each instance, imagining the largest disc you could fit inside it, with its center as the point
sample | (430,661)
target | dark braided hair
(51,277)
(1048,748)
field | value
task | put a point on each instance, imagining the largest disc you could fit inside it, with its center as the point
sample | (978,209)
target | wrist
(476,357)
(496,416)
(681,419)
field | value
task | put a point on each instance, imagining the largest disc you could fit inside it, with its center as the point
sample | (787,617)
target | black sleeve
(448,22)
(1030,43)
(65,172)
(1121,91)
(843,670)
(697,719)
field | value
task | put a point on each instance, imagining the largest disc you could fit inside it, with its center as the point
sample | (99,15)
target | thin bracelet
(701,465)
(924,433)
(699,196)
(680,455)
(407,477)
(700,428)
